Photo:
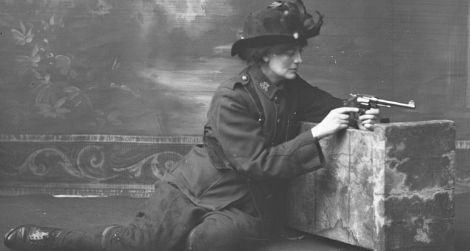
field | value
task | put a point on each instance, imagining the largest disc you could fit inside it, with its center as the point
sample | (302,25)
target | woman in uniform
(228,194)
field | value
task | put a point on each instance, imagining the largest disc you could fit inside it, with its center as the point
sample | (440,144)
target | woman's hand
(336,120)
(369,119)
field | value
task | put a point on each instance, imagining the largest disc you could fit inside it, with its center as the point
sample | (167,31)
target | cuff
(309,153)
(320,152)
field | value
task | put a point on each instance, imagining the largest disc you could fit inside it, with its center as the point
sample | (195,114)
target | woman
(227,193)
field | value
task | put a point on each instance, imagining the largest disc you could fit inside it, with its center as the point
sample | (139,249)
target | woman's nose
(298,57)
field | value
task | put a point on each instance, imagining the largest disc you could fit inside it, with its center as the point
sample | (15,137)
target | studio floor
(77,212)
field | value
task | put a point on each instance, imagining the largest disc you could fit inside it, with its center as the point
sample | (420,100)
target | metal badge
(264,86)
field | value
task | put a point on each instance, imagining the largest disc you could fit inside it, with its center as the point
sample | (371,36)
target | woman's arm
(246,147)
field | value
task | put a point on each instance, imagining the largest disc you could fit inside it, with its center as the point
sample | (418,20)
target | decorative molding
(87,164)
(79,189)
(91,163)
(45,163)
(93,138)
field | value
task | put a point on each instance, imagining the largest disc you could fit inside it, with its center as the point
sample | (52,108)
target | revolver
(365,102)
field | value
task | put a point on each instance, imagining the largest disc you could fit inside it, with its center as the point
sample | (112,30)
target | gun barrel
(383,102)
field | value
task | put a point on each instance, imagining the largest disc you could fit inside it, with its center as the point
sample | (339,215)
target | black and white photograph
(235,125)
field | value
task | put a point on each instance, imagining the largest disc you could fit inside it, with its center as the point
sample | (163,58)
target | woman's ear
(266,59)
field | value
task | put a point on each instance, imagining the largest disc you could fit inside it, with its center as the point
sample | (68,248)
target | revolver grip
(353,119)
(354,116)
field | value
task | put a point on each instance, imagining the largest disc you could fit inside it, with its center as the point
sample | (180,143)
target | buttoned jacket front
(252,137)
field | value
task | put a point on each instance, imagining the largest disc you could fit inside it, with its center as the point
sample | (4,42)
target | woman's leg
(166,221)
(163,224)
(227,230)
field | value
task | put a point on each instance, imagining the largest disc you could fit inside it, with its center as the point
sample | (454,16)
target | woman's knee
(221,232)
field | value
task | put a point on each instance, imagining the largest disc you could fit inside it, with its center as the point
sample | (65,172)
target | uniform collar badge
(264,86)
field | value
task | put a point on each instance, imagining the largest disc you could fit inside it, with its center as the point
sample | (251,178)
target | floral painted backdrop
(121,66)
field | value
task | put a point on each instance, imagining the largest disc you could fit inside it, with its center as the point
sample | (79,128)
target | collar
(262,83)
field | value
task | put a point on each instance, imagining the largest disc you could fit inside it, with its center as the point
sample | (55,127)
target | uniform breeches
(226,230)
(171,222)
(163,224)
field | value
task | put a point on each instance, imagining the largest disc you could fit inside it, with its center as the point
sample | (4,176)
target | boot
(36,238)
(32,238)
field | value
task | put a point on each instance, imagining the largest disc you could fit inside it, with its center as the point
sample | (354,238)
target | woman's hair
(255,55)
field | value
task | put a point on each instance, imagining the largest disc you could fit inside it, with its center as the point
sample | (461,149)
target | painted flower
(22,36)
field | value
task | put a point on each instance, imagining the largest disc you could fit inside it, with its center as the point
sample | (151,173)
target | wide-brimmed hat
(281,22)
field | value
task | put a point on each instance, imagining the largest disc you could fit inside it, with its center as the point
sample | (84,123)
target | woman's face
(283,65)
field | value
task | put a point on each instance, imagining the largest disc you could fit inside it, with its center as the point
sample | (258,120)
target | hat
(281,22)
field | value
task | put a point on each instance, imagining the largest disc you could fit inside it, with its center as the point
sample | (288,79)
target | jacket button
(278,121)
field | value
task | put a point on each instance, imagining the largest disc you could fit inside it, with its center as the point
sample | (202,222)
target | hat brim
(261,41)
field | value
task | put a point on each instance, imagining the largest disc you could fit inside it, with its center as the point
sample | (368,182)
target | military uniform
(230,188)
(248,142)
(252,146)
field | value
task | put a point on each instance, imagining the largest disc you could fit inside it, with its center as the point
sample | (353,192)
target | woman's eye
(290,52)
(293,52)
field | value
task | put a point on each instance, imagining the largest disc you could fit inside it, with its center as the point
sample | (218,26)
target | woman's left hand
(369,119)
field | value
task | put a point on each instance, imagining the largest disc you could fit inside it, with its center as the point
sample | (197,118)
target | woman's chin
(291,75)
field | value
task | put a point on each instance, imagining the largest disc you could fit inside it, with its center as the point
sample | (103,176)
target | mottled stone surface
(390,189)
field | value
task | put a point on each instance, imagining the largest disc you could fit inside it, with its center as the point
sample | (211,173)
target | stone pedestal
(390,189)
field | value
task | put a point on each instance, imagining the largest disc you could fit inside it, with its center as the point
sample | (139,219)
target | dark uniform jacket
(251,139)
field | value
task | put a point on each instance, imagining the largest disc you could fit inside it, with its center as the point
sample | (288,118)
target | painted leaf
(115,65)
(62,111)
(18,37)
(47,79)
(37,75)
(71,89)
(60,102)
(22,36)
(23,28)
(35,50)
(29,36)
(35,58)
(52,20)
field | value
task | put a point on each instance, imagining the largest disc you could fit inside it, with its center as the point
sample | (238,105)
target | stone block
(387,189)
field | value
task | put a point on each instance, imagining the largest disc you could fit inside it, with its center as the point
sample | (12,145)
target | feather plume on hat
(281,22)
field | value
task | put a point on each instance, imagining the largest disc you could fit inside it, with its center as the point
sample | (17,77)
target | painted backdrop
(114,67)
(149,67)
